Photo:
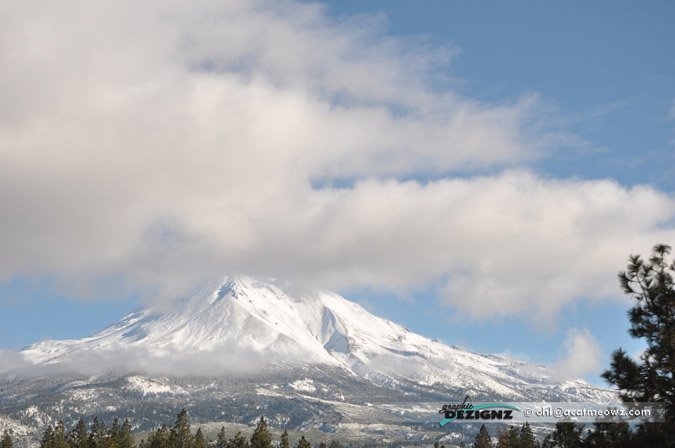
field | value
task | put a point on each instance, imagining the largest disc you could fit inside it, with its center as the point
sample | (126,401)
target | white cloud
(583,354)
(162,143)
(224,361)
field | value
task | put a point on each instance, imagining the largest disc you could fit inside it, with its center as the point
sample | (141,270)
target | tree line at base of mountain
(565,435)
(178,436)
(568,435)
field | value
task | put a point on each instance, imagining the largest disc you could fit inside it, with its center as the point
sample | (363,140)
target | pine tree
(97,434)
(334,444)
(239,441)
(80,436)
(483,439)
(565,435)
(114,435)
(159,438)
(610,434)
(652,285)
(60,436)
(104,437)
(126,439)
(48,438)
(303,443)
(199,441)
(6,441)
(508,437)
(221,439)
(180,436)
(284,439)
(322,445)
(261,437)
(526,437)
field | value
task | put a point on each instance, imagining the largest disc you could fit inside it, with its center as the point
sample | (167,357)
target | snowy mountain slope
(239,347)
(241,320)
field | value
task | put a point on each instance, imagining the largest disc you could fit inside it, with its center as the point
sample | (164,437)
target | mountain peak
(245,321)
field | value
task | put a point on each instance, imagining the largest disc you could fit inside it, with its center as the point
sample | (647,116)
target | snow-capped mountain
(242,318)
(309,359)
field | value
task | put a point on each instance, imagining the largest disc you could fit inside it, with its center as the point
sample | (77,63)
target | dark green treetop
(239,441)
(652,285)
(126,439)
(526,437)
(159,438)
(199,441)
(80,436)
(565,435)
(483,439)
(303,443)
(6,440)
(221,438)
(180,435)
(97,434)
(261,437)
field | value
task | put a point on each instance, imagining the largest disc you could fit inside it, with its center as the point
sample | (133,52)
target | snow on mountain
(241,320)
(148,386)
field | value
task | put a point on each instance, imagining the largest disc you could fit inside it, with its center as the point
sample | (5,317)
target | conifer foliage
(261,437)
(199,441)
(55,437)
(565,435)
(6,440)
(284,439)
(652,285)
(483,439)
(159,438)
(303,443)
(221,439)
(239,441)
(126,439)
(512,437)
(178,436)
(97,436)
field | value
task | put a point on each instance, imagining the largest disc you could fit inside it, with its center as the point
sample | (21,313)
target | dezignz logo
(467,410)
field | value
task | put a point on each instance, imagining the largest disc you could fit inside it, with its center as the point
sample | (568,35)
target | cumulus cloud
(148,147)
(582,354)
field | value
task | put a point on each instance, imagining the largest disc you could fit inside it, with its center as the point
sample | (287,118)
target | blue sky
(336,145)
(606,67)
(608,70)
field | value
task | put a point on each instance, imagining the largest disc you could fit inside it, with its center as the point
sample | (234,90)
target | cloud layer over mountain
(149,146)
